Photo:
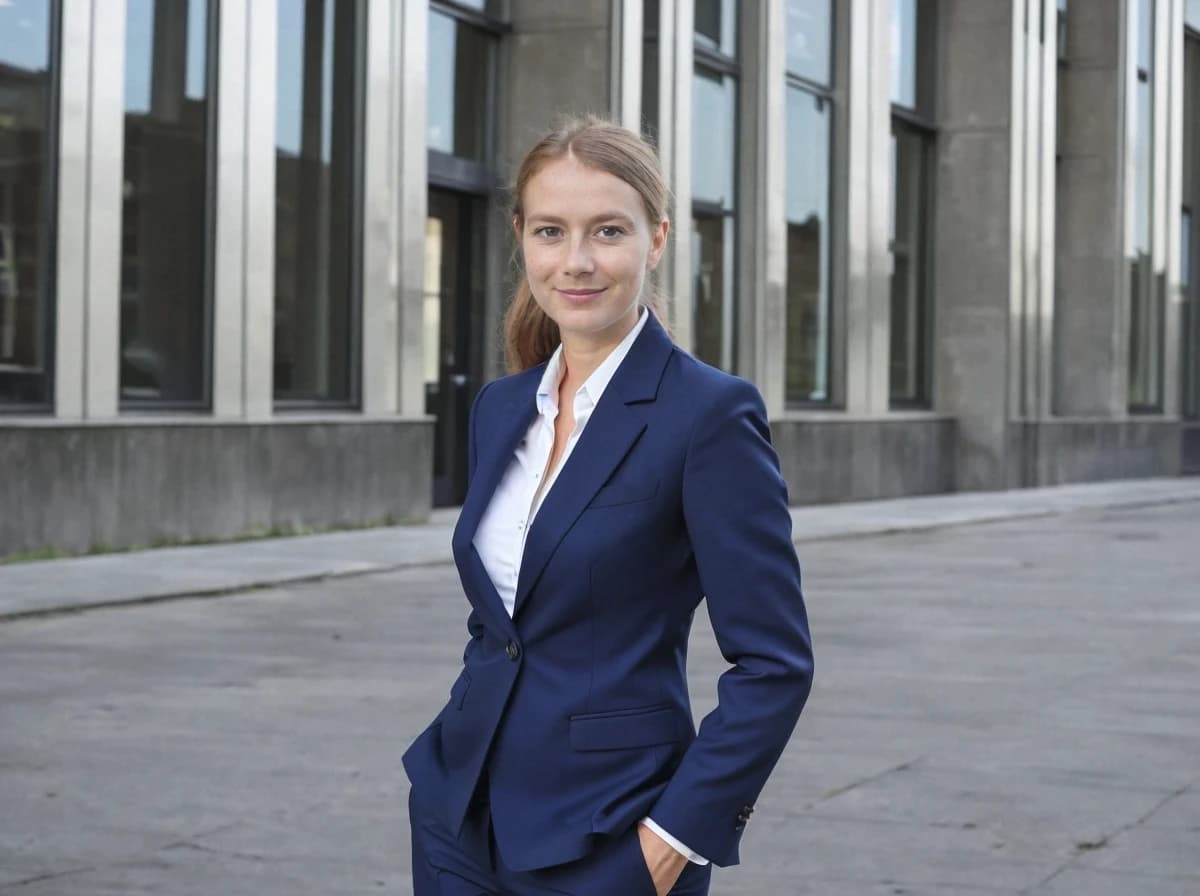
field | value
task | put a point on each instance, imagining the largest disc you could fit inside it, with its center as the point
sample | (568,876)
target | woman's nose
(579,257)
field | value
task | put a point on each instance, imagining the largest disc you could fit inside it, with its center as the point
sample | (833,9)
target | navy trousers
(471,865)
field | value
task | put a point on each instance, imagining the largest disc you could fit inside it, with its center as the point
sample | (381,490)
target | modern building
(254,254)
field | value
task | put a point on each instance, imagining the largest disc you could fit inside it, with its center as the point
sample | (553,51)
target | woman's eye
(611,231)
(548,232)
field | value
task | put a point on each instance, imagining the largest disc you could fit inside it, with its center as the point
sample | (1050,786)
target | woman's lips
(580,295)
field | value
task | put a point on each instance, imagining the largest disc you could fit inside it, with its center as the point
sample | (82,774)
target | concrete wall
(847,460)
(1190,447)
(77,488)
(1055,452)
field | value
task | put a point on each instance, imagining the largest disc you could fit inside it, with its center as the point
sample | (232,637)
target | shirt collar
(594,386)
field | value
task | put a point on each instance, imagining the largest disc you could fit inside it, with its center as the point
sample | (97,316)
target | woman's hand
(664,862)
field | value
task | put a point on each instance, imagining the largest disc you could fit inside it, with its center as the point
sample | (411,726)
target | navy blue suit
(571,719)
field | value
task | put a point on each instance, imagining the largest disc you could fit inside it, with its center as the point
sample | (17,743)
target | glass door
(453,315)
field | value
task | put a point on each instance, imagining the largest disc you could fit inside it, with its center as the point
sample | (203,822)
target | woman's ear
(516,222)
(658,243)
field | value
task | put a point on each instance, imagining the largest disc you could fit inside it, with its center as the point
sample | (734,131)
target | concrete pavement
(50,586)
(1002,709)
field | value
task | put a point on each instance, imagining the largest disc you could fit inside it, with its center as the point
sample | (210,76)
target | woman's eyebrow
(603,216)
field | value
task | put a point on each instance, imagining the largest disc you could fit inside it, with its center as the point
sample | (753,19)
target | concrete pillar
(974,264)
(762,217)
(1091,320)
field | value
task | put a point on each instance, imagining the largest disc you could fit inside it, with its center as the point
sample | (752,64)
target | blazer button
(512,650)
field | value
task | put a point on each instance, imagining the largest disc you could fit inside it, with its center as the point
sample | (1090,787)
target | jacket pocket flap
(624,730)
(624,493)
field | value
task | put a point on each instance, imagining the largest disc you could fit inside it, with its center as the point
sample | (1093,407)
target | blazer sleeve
(736,511)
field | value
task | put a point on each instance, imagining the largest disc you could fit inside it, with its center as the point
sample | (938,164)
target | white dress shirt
(500,538)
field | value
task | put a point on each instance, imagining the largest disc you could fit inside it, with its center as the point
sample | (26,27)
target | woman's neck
(583,353)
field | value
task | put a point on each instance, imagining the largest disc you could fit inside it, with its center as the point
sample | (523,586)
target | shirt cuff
(680,848)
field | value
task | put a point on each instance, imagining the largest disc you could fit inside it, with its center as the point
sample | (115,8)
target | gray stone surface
(1000,709)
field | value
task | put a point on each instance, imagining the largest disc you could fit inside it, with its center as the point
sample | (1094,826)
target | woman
(615,481)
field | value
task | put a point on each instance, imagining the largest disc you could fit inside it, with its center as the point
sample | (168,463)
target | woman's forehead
(567,186)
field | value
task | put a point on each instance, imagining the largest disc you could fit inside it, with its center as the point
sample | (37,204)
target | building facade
(254,254)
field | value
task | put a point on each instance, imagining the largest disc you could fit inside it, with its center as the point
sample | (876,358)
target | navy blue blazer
(574,712)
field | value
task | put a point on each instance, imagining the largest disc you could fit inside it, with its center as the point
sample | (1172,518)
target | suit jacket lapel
(611,432)
(498,436)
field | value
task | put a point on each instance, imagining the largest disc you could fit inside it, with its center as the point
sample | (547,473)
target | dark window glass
(1190,319)
(909,245)
(491,8)
(1061,30)
(461,80)
(712,290)
(1146,293)
(315,154)
(715,24)
(810,39)
(808,235)
(165,220)
(26,201)
(650,51)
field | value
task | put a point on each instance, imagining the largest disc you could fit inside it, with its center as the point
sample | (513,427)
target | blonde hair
(530,335)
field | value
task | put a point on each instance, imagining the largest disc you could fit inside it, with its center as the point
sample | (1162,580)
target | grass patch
(281,530)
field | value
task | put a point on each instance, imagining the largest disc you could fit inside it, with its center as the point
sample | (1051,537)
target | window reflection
(715,24)
(714,107)
(26,166)
(808,233)
(165,217)
(809,44)
(315,156)
(461,79)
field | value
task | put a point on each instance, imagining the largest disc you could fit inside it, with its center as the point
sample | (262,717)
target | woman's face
(587,244)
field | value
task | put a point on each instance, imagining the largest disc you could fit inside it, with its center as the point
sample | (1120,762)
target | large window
(1146,286)
(316,192)
(27,51)
(809,136)
(714,167)
(462,83)
(166,228)
(914,24)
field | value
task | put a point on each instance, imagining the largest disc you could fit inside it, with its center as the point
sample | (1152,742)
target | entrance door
(454,312)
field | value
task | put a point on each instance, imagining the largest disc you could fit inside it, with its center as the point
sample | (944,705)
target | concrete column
(1091,321)
(74,159)
(229,232)
(762,226)
(626,65)
(258,309)
(974,233)
(863,189)
(88,265)
(1169,185)
(395,192)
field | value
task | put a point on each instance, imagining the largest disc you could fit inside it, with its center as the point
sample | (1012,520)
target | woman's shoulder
(709,388)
